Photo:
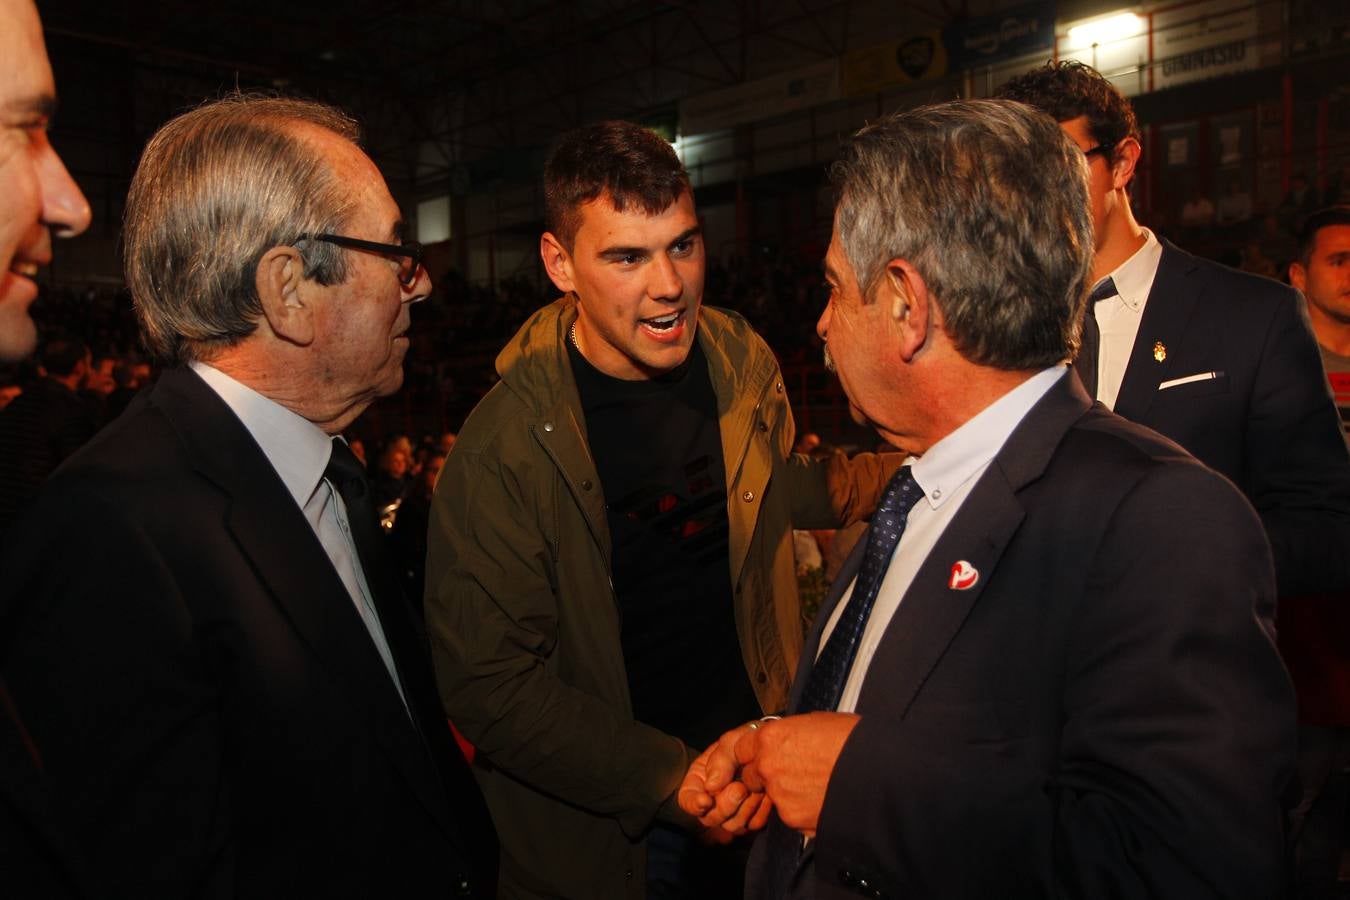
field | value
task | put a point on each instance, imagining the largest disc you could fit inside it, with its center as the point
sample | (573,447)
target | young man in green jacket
(610,580)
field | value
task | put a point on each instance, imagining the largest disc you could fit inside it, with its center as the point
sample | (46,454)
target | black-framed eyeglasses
(1103,149)
(409,253)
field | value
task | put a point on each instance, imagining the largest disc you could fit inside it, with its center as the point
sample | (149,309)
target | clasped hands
(784,764)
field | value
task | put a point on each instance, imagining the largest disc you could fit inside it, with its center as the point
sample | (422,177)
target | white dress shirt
(946,473)
(299,450)
(1118,317)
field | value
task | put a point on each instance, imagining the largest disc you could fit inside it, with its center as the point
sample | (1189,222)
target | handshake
(785,764)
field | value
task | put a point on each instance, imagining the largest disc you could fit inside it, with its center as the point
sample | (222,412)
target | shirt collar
(961,455)
(296,447)
(1134,277)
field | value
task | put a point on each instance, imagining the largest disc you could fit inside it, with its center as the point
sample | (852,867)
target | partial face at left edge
(36,192)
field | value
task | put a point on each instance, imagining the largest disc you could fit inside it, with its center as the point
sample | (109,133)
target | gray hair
(216,188)
(988,200)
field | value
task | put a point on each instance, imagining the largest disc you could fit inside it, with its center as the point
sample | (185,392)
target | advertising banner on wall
(1006,35)
(762,99)
(914,58)
(1203,40)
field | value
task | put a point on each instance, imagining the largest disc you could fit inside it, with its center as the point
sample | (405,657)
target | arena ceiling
(438,84)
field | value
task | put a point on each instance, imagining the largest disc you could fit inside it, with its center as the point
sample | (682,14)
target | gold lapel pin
(1159,351)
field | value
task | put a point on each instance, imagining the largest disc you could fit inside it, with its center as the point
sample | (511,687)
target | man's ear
(1298,276)
(286,299)
(557,262)
(1123,162)
(908,304)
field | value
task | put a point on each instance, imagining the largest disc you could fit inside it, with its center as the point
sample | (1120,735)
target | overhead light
(1105,31)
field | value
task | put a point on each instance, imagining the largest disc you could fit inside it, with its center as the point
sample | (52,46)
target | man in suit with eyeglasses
(211,652)
(1220,361)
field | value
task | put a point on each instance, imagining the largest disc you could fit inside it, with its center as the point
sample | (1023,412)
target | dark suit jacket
(212,715)
(1102,714)
(39,429)
(1267,421)
(32,852)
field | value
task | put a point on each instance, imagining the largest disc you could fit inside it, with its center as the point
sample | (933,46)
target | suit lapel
(1171,301)
(291,563)
(931,613)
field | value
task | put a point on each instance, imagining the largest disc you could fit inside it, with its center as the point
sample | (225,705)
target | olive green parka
(524,623)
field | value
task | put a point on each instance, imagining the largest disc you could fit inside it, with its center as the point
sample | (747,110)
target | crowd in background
(458,334)
(1233,231)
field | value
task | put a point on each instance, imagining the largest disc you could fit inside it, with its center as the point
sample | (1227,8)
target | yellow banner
(915,58)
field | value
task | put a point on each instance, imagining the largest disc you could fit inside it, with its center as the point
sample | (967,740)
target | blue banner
(1003,36)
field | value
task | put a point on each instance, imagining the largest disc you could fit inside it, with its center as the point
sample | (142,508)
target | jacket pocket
(1199,384)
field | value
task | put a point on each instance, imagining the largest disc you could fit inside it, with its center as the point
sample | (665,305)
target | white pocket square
(1200,376)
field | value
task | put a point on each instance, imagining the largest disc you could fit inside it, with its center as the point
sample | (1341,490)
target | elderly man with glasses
(211,652)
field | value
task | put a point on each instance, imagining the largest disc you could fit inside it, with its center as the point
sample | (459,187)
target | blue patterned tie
(1085,364)
(826,683)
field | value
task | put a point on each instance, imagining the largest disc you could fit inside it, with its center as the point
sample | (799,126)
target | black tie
(349,477)
(1086,362)
(825,684)
(347,474)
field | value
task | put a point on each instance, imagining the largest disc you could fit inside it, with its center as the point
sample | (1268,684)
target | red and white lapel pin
(964,576)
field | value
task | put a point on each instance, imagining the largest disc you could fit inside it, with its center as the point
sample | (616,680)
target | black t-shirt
(658,450)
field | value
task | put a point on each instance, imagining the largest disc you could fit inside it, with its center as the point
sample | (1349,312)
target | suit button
(586,485)
(847,878)
(778,387)
(463,887)
(761,677)
(762,427)
(748,496)
(548,426)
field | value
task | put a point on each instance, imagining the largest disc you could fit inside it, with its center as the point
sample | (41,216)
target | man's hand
(791,760)
(711,792)
(750,814)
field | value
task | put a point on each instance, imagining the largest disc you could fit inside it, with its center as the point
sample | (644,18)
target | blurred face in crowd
(358,449)
(431,470)
(1325,279)
(100,376)
(639,283)
(37,195)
